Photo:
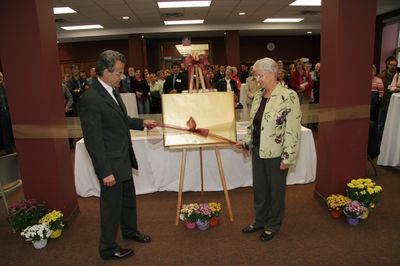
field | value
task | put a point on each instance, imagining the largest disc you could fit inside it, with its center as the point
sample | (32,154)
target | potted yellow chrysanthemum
(336,204)
(54,221)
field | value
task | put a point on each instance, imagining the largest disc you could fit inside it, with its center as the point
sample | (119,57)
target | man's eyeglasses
(393,65)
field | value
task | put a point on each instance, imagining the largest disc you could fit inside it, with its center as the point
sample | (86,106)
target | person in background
(76,87)
(93,76)
(301,82)
(155,93)
(252,87)
(177,81)
(376,96)
(68,102)
(273,137)
(281,77)
(126,82)
(235,76)
(213,80)
(387,78)
(160,76)
(140,87)
(280,64)
(7,138)
(105,127)
(316,80)
(220,72)
(244,72)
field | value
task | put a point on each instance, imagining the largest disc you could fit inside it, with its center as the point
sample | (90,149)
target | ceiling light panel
(83,27)
(184,22)
(63,10)
(183,4)
(306,3)
(283,20)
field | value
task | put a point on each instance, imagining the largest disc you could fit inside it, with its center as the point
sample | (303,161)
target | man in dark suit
(177,81)
(105,127)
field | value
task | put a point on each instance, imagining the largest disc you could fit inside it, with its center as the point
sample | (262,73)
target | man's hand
(173,91)
(150,123)
(109,181)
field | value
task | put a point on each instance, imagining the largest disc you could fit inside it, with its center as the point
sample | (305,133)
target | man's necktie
(173,81)
(114,91)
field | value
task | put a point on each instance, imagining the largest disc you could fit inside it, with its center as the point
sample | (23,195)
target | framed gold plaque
(214,111)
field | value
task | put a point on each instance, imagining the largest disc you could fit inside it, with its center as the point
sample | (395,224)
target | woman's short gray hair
(266,65)
(107,60)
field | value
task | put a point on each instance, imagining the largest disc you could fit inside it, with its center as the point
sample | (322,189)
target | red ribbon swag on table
(197,65)
(192,127)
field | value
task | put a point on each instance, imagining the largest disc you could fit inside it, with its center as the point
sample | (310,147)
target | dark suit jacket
(222,86)
(181,83)
(105,128)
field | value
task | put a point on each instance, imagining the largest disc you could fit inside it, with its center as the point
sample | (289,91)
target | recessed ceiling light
(184,22)
(180,4)
(63,10)
(83,27)
(278,20)
(125,17)
(306,3)
(309,32)
(242,13)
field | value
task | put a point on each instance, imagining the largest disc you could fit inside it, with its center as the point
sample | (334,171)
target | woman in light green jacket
(273,137)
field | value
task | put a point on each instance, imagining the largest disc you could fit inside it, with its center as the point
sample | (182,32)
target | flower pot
(352,221)
(335,214)
(56,233)
(202,225)
(214,221)
(39,244)
(190,225)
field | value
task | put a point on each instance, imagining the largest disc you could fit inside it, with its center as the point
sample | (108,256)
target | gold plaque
(214,111)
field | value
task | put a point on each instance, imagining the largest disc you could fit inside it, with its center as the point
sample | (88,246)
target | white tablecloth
(243,94)
(159,167)
(390,145)
(129,100)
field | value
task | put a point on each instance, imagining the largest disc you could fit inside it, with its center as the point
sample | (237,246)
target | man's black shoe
(266,236)
(138,237)
(250,229)
(119,254)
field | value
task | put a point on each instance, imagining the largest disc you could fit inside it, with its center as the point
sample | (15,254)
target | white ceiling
(147,19)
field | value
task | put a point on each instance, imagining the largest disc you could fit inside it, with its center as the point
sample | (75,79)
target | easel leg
(181,178)
(201,172)
(222,176)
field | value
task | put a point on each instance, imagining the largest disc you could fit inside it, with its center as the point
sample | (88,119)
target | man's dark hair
(107,60)
(390,58)
(176,63)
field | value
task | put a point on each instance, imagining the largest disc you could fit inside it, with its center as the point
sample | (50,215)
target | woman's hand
(284,166)
(239,145)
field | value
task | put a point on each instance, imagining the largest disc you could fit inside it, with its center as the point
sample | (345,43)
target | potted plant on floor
(188,214)
(203,216)
(215,210)
(38,234)
(336,203)
(354,211)
(54,221)
(26,213)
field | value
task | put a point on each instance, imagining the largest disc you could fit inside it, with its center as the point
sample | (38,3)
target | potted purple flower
(353,211)
(204,214)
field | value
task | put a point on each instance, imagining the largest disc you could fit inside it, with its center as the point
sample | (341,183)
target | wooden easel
(221,174)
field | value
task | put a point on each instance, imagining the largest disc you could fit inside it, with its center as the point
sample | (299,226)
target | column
(346,66)
(232,48)
(28,50)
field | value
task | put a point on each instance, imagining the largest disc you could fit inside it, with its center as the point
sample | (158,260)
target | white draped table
(159,167)
(390,145)
(129,100)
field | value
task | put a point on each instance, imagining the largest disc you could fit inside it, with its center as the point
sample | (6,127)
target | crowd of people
(149,86)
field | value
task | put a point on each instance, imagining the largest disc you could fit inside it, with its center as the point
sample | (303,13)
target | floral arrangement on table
(26,213)
(54,221)
(188,212)
(364,190)
(354,209)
